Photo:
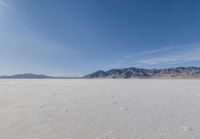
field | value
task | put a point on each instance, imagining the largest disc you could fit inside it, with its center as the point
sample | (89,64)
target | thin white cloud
(156,57)
(12,9)
(175,57)
(4,4)
(150,52)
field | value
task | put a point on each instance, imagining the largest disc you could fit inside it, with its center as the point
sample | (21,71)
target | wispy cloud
(150,52)
(12,9)
(177,57)
(166,55)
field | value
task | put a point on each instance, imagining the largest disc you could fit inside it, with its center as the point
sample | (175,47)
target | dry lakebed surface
(99,109)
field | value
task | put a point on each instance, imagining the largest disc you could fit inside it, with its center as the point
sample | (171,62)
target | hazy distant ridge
(34,76)
(132,72)
(25,76)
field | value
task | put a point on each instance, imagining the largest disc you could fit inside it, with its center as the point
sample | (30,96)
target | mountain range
(25,76)
(132,72)
(34,76)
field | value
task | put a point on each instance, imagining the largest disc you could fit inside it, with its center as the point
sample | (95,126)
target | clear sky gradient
(76,37)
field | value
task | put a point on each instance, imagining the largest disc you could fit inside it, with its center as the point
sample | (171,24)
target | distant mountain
(26,76)
(132,72)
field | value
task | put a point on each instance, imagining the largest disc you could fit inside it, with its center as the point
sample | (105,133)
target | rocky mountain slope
(132,72)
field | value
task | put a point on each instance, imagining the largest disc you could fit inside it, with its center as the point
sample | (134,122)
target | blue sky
(76,37)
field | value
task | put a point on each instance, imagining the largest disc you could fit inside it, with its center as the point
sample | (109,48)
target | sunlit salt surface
(99,109)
